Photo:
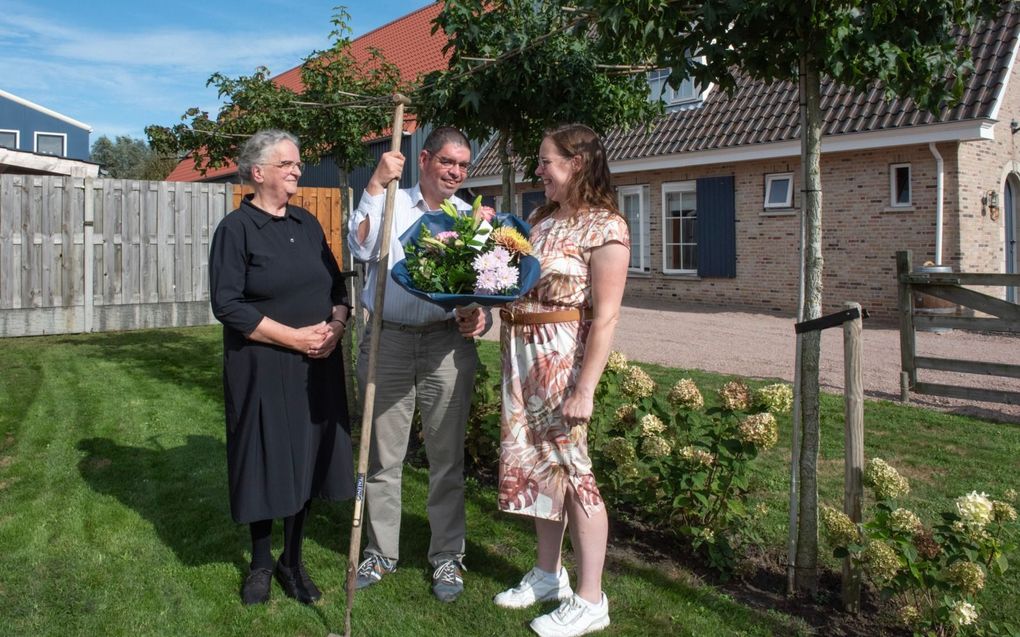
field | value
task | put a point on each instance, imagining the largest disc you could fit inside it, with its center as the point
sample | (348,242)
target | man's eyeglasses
(448,163)
(288,165)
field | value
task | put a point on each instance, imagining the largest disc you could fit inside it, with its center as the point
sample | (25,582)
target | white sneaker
(536,586)
(574,617)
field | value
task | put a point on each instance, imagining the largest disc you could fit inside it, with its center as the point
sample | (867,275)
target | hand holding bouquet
(456,260)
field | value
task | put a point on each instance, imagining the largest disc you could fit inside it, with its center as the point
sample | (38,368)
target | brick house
(712,190)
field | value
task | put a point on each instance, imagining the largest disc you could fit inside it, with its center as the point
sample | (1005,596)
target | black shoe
(297,584)
(255,589)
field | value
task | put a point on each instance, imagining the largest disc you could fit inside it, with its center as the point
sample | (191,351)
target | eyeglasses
(448,163)
(288,165)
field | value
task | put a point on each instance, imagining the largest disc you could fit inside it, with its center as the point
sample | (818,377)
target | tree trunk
(508,173)
(811,205)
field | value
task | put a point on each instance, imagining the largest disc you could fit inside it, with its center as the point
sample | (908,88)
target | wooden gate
(998,316)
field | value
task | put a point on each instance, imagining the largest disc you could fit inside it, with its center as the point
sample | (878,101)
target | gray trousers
(436,370)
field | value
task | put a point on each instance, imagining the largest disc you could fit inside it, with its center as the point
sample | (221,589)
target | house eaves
(45,111)
(758,120)
(970,130)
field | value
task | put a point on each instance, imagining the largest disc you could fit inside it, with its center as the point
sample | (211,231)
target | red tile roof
(406,42)
(760,113)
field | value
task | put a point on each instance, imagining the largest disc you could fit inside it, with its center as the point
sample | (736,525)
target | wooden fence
(996,315)
(324,203)
(83,255)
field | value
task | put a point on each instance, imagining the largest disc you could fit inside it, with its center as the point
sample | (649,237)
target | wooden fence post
(908,348)
(88,255)
(853,406)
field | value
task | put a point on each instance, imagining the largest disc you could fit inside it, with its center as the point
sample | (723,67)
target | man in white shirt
(426,356)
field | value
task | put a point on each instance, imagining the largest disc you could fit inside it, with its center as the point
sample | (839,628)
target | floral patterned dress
(540,457)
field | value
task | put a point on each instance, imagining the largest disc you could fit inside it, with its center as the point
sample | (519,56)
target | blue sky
(120,65)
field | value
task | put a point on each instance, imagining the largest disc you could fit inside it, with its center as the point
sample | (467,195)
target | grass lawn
(114,517)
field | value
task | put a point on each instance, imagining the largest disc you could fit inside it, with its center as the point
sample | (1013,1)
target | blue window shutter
(717,230)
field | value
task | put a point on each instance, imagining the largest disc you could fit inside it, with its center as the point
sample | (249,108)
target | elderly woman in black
(277,290)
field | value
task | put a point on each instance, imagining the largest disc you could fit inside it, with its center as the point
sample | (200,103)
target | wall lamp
(990,201)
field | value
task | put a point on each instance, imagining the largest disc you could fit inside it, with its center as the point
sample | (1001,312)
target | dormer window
(686,92)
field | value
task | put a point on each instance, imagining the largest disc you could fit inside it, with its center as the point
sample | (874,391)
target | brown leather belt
(537,318)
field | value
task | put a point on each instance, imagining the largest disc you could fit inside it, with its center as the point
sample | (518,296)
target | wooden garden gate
(992,315)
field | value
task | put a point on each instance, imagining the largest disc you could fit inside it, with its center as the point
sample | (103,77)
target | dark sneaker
(447,580)
(372,569)
(255,589)
(297,584)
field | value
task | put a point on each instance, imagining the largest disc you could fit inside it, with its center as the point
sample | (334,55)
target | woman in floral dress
(555,343)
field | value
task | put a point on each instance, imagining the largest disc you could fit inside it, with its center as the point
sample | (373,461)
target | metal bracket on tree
(830,320)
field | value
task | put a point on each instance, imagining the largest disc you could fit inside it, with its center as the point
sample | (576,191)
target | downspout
(939,171)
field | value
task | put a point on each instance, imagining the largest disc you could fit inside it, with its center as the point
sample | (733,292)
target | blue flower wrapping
(438,222)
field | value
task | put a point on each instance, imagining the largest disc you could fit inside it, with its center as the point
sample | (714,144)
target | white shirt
(399,305)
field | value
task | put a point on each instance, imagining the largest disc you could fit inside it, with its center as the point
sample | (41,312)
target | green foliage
(548,73)
(130,158)
(933,575)
(678,466)
(326,120)
(907,46)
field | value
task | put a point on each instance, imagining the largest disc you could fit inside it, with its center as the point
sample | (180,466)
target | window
(633,202)
(50,143)
(493,201)
(899,185)
(680,227)
(9,139)
(779,190)
(530,201)
(687,92)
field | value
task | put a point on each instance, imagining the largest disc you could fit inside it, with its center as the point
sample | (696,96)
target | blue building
(29,127)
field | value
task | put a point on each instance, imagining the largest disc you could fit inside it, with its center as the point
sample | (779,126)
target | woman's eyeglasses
(289,165)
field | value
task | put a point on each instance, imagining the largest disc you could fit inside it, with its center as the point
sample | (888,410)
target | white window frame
(771,179)
(17,137)
(667,93)
(63,136)
(640,236)
(893,199)
(669,188)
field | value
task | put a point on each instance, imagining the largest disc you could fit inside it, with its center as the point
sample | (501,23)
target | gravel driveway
(763,346)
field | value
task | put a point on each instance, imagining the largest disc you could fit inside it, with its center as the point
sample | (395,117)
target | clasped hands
(319,340)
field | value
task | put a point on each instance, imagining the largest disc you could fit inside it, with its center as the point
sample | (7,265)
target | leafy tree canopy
(342,102)
(549,72)
(130,158)
(907,45)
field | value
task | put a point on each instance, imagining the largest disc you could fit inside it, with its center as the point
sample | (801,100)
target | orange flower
(511,239)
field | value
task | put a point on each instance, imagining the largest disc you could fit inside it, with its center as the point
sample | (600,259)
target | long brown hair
(590,186)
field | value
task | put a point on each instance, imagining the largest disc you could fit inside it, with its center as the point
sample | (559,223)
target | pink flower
(446,237)
(485,213)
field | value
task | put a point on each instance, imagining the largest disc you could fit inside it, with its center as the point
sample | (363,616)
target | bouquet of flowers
(457,260)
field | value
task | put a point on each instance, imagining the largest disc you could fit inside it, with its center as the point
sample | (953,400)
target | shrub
(676,465)
(933,576)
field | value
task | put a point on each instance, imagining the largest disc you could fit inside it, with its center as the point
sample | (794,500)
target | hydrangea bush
(677,465)
(932,575)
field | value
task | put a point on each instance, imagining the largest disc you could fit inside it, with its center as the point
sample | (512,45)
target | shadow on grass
(181,491)
(183,359)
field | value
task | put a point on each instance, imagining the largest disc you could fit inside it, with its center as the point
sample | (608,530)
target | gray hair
(442,136)
(256,150)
